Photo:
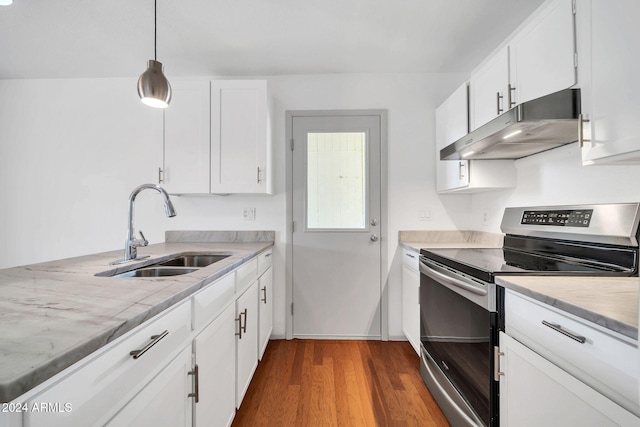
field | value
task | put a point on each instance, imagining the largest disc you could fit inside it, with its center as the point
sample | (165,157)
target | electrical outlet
(424,215)
(249,214)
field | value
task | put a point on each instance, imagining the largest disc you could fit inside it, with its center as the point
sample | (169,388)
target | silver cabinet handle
(461,167)
(154,340)
(264,290)
(160,180)
(268,255)
(244,328)
(498,98)
(511,98)
(373,238)
(563,331)
(196,393)
(411,256)
(496,363)
(259,175)
(581,122)
(239,320)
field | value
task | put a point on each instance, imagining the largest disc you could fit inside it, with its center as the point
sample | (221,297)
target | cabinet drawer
(246,274)
(210,301)
(410,259)
(604,361)
(264,261)
(105,382)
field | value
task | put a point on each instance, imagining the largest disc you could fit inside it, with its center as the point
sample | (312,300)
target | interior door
(336,232)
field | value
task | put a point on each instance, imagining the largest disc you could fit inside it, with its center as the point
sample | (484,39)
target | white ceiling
(114,38)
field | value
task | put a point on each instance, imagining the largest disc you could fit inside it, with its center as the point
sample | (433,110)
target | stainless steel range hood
(528,128)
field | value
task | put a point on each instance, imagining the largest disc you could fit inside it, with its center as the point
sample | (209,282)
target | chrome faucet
(132,243)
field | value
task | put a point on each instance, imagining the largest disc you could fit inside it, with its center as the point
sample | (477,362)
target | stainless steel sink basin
(156,272)
(201,260)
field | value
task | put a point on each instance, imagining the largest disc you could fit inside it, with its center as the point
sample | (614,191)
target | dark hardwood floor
(338,383)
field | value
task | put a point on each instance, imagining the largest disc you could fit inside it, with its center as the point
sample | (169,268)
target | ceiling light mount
(153,87)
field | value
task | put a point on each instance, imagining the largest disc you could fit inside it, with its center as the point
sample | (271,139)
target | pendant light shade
(153,87)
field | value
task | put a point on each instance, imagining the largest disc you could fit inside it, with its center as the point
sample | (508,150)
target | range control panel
(560,218)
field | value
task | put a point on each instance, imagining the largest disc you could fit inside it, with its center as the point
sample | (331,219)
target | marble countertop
(55,313)
(611,302)
(414,240)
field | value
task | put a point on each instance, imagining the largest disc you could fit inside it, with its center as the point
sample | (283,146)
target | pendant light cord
(155,30)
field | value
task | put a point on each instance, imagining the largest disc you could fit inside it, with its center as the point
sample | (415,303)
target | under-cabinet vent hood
(528,128)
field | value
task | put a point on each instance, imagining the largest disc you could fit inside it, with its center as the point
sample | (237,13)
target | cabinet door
(265,309)
(452,123)
(215,350)
(246,340)
(164,401)
(542,55)
(488,89)
(535,392)
(240,140)
(186,139)
(611,92)
(411,306)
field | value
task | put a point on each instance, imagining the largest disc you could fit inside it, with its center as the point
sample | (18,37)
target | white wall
(552,178)
(71,151)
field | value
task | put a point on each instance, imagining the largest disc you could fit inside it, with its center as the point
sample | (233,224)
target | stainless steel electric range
(462,310)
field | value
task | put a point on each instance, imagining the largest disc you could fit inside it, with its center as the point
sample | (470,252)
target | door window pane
(336,180)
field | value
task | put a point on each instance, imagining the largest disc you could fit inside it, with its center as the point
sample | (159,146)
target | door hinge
(292,145)
(292,309)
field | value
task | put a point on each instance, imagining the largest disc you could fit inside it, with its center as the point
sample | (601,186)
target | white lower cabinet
(265,311)
(215,356)
(535,392)
(107,381)
(246,340)
(411,298)
(165,401)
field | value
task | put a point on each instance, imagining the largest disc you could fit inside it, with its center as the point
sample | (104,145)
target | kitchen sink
(193,260)
(182,263)
(156,272)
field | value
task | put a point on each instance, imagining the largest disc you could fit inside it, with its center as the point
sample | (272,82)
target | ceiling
(114,38)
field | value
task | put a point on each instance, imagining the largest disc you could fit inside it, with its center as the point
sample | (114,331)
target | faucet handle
(143,241)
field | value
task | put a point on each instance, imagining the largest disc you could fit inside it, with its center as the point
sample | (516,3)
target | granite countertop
(611,302)
(53,314)
(414,240)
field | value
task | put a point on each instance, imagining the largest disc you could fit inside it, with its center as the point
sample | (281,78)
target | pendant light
(153,87)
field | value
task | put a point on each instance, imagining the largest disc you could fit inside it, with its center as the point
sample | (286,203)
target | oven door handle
(442,275)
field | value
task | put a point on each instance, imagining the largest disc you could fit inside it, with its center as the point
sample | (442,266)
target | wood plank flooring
(338,383)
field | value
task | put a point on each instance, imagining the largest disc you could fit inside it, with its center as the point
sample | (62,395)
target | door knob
(373,222)
(373,238)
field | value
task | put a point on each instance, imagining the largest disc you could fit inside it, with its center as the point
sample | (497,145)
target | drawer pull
(196,394)
(559,328)
(154,340)
(410,256)
(268,255)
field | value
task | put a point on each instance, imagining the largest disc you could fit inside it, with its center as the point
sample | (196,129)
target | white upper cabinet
(607,47)
(217,138)
(542,55)
(240,137)
(488,89)
(186,139)
(465,176)
(538,60)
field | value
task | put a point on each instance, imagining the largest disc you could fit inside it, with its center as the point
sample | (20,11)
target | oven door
(458,332)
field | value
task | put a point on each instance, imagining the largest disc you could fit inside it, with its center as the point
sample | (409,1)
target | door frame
(382,115)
